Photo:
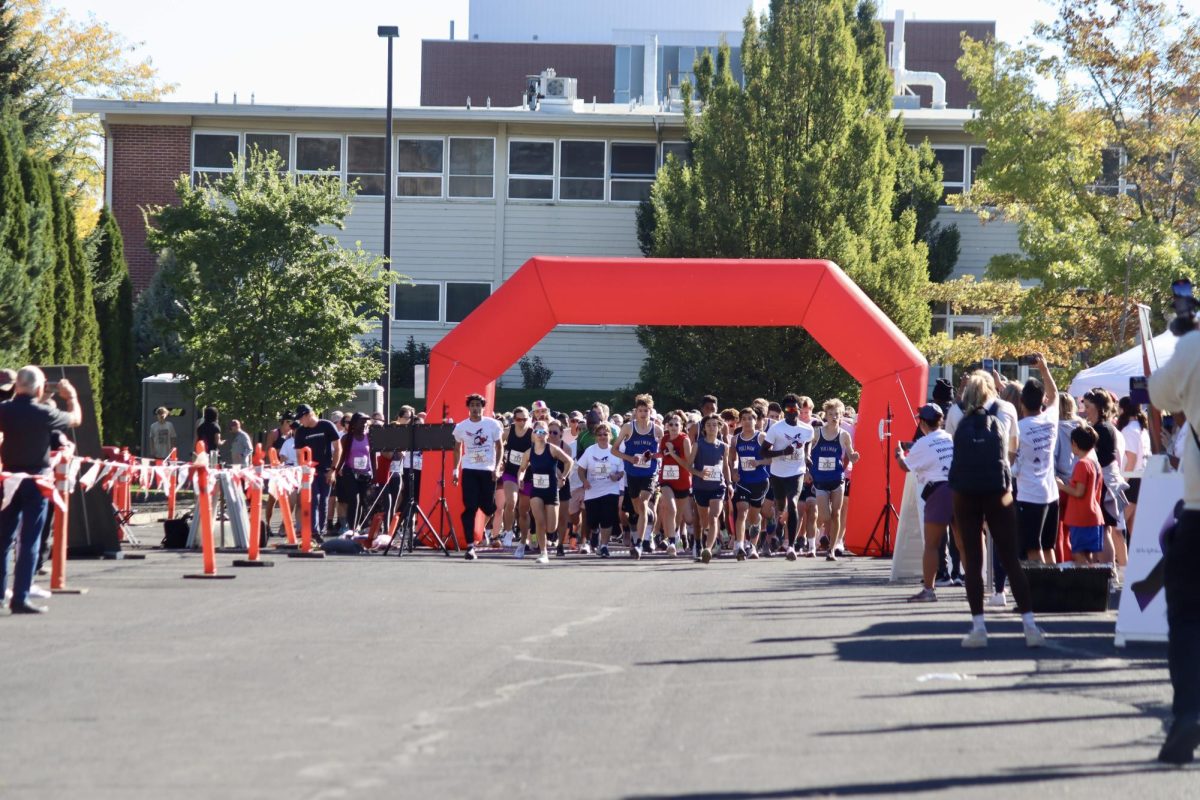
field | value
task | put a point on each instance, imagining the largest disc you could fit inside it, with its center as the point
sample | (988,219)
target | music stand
(426,438)
(888,511)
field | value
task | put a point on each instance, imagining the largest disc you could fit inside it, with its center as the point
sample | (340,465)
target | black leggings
(970,512)
(478,494)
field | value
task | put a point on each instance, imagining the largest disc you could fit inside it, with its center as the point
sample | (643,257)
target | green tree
(17,316)
(273,310)
(405,359)
(62,282)
(803,161)
(1093,137)
(113,292)
(43,251)
(156,319)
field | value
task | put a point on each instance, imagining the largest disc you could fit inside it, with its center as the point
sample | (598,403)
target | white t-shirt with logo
(1034,467)
(600,466)
(479,440)
(930,457)
(778,437)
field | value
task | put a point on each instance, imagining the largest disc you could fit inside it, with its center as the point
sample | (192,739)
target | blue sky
(314,52)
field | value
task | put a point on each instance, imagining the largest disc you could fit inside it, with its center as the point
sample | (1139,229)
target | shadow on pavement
(989,723)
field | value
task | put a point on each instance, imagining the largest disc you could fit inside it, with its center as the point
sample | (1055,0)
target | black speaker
(1057,588)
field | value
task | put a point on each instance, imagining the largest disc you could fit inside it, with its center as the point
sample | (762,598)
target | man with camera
(1176,387)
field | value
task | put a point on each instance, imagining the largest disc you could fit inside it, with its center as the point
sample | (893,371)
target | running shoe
(635,552)
(603,553)
(1034,636)
(942,583)
(706,555)
(470,554)
(740,554)
(753,553)
(506,539)
(808,553)
(647,547)
(544,558)
(671,550)
(823,543)
(998,600)
(839,552)
(831,556)
(924,596)
(561,549)
(520,551)
(791,554)
(959,582)
(976,639)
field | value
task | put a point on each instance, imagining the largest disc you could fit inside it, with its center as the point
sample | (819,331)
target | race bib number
(515,457)
(795,456)
(478,458)
(670,472)
(826,464)
(599,470)
(712,473)
(541,481)
(360,464)
(748,464)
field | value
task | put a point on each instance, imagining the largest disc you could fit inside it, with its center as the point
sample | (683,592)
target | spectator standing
(8,379)
(240,446)
(322,438)
(209,432)
(29,427)
(163,438)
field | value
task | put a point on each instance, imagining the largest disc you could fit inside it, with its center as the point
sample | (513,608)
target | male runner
(476,466)
(640,437)
(786,443)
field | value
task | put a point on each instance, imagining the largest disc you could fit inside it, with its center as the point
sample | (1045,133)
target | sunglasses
(539,432)
(553,433)
(520,419)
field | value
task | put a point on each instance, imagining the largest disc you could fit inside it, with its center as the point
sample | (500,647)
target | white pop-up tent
(1114,374)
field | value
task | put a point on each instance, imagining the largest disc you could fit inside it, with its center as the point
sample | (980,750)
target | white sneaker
(998,600)
(544,558)
(671,551)
(506,538)
(39,592)
(520,552)
(1034,636)
(791,554)
(976,639)
(584,549)
(7,596)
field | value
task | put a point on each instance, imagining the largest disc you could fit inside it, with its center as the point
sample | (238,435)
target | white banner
(909,548)
(1142,615)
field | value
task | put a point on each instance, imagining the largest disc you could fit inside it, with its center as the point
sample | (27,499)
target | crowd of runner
(768,479)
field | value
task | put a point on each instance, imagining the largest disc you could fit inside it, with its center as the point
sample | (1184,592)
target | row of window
(453,167)
(447,301)
(959,165)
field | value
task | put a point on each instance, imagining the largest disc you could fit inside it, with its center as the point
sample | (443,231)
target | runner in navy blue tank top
(832,450)
(517,441)
(546,467)
(710,474)
(636,444)
(750,487)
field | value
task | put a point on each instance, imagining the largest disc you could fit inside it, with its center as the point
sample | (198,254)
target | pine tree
(16,313)
(85,347)
(803,161)
(43,249)
(64,287)
(114,315)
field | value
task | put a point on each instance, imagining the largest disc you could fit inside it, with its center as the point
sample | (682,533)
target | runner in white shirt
(476,465)
(929,460)
(786,443)
(600,472)
(1037,491)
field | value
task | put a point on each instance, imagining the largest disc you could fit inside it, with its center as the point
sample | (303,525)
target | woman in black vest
(982,485)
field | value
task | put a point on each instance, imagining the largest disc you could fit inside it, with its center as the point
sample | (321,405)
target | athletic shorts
(564,492)
(575,504)
(1135,486)
(602,511)
(939,506)
(678,494)
(479,489)
(351,485)
(627,503)
(770,491)
(1088,539)
(525,488)
(636,484)
(826,488)
(786,488)
(1037,524)
(753,493)
(547,496)
(706,496)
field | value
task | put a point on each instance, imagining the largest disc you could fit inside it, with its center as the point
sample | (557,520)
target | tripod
(408,438)
(883,546)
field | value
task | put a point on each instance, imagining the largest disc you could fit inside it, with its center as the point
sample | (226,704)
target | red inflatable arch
(545,292)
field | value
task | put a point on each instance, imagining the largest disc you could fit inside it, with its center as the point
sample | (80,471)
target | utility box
(176,396)
(368,398)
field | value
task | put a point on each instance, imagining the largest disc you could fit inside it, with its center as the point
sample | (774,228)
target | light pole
(389,32)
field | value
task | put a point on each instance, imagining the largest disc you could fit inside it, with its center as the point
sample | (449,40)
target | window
(213,156)
(463,298)
(681,150)
(472,166)
(364,164)
(318,154)
(1109,182)
(978,154)
(419,164)
(278,143)
(581,170)
(631,172)
(953,164)
(530,170)
(419,302)
(629,62)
